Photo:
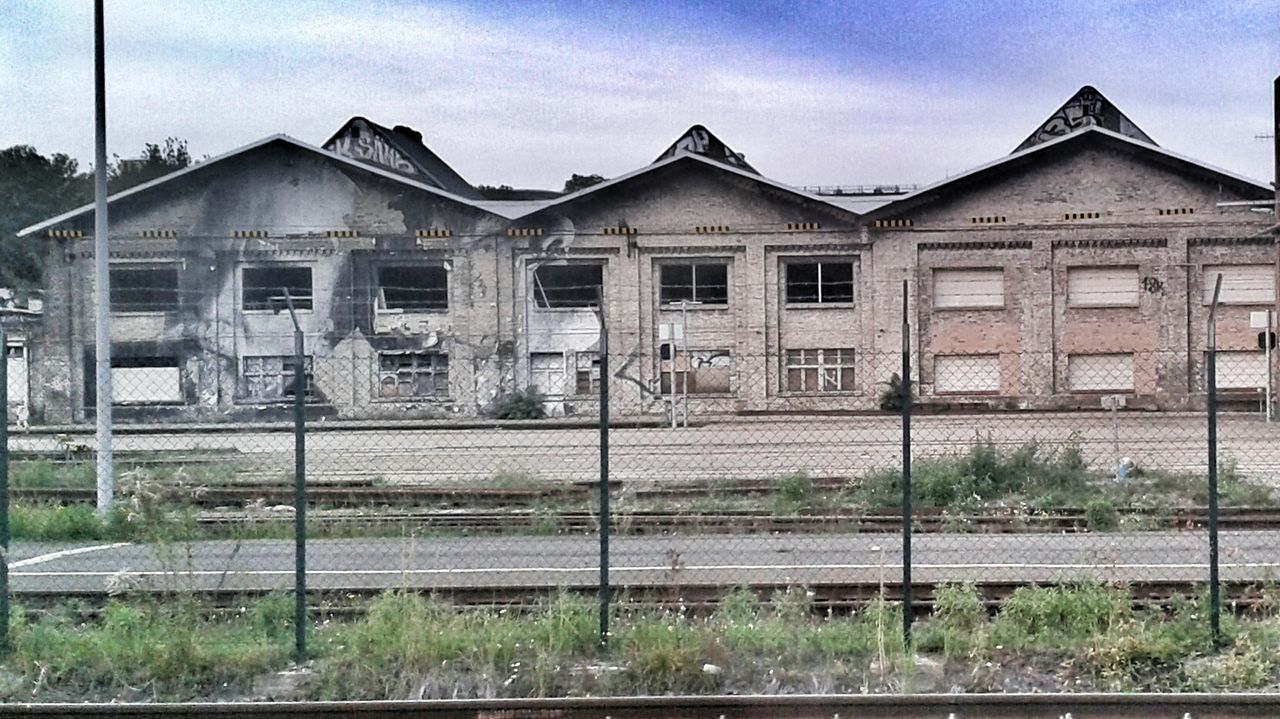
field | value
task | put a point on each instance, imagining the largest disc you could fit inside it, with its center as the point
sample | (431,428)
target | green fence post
(1211,383)
(4,492)
(906,471)
(299,487)
(604,472)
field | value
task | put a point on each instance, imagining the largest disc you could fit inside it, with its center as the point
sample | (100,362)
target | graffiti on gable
(1083,110)
(372,148)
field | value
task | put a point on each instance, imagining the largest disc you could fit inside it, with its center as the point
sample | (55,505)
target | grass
(1087,636)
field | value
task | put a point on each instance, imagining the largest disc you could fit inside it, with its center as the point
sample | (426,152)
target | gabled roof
(281,138)
(698,140)
(1086,108)
(682,156)
(930,193)
(399,149)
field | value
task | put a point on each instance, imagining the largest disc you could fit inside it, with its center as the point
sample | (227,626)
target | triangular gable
(931,193)
(399,150)
(205,164)
(698,140)
(1087,108)
(681,156)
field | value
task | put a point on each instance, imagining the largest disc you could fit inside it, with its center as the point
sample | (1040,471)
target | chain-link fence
(491,486)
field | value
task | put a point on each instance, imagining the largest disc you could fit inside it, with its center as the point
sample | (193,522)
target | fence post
(4,493)
(1211,383)
(906,470)
(604,471)
(299,488)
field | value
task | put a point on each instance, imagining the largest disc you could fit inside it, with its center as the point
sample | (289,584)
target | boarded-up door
(964,374)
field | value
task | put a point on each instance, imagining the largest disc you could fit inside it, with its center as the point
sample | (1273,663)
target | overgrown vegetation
(526,404)
(1082,637)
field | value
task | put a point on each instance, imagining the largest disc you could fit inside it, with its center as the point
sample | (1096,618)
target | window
(271,378)
(587,373)
(1100,373)
(706,284)
(144,289)
(413,374)
(699,372)
(413,288)
(1102,287)
(145,380)
(819,282)
(820,370)
(264,288)
(546,372)
(968,289)
(567,286)
(1241,284)
(1241,370)
(966,374)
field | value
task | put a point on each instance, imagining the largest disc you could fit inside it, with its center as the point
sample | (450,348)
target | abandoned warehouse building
(1075,267)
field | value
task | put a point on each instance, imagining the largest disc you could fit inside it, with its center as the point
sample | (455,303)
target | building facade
(1075,268)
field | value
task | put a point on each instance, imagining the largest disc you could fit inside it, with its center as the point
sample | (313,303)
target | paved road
(677,560)
(742,448)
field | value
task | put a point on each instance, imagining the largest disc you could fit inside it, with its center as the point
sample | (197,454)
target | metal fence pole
(906,470)
(4,492)
(604,472)
(1211,382)
(299,488)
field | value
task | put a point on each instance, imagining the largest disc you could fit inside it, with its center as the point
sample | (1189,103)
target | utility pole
(102,271)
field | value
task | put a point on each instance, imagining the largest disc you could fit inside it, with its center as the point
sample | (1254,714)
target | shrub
(525,404)
(1100,515)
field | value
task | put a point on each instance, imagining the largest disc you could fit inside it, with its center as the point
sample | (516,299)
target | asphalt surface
(728,560)
(741,448)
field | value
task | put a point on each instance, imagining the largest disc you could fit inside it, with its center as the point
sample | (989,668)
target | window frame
(695,301)
(140,267)
(174,362)
(1137,287)
(285,372)
(380,301)
(819,262)
(269,306)
(437,369)
(537,291)
(562,381)
(820,365)
(1207,286)
(933,288)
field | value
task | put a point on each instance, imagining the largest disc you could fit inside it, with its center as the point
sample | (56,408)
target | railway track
(910,706)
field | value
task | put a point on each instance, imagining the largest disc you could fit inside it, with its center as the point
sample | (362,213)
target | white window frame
(436,368)
(833,369)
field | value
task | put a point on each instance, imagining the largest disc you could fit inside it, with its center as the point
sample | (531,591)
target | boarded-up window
(145,380)
(699,371)
(965,374)
(1241,370)
(264,288)
(413,374)
(1100,373)
(586,378)
(567,286)
(144,289)
(826,282)
(1241,284)
(1102,286)
(820,370)
(546,372)
(16,381)
(705,284)
(968,289)
(271,377)
(413,288)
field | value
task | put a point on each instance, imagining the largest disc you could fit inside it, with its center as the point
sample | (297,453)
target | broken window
(820,370)
(144,289)
(561,286)
(271,378)
(145,380)
(546,372)
(706,284)
(819,282)
(698,372)
(263,288)
(413,288)
(413,374)
(587,373)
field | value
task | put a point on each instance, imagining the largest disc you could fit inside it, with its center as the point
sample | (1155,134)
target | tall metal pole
(299,488)
(4,493)
(101,270)
(604,471)
(671,343)
(906,470)
(1266,343)
(1211,380)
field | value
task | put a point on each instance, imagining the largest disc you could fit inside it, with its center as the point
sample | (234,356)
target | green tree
(33,188)
(579,182)
(156,161)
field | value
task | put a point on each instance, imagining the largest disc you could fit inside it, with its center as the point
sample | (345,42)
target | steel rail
(885,706)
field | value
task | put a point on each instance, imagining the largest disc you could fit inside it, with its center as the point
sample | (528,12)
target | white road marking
(621,570)
(40,559)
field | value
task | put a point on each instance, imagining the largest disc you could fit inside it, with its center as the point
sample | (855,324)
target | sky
(813,92)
